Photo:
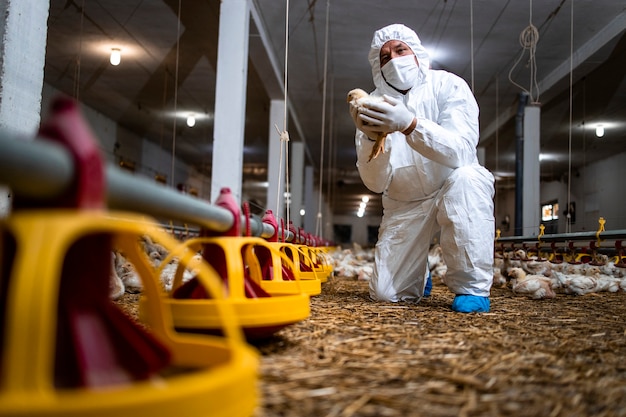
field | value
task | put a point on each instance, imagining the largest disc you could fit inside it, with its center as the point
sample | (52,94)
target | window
(550,212)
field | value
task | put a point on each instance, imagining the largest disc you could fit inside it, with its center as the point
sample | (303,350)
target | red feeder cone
(97,345)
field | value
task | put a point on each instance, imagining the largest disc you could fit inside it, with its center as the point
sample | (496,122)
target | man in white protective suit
(429,175)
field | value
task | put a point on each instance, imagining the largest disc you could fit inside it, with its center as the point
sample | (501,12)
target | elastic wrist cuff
(411,128)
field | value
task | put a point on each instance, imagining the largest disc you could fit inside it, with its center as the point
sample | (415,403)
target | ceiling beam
(600,39)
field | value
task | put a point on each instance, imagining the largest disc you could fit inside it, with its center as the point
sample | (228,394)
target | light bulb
(116,56)
(599,131)
(191,120)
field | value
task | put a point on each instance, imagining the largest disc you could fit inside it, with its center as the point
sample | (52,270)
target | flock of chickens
(124,278)
(525,275)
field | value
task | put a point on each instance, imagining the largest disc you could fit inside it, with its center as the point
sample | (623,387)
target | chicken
(607,283)
(116,286)
(436,263)
(358,99)
(499,280)
(535,286)
(576,283)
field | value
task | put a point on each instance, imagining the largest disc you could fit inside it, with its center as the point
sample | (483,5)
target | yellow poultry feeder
(299,255)
(281,273)
(259,312)
(321,262)
(67,350)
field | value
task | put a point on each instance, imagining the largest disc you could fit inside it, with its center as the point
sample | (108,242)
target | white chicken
(576,283)
(116,286)
(534,286)
(436,263)
(607,283)
(358,99)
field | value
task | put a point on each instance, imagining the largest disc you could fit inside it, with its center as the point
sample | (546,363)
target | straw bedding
(353,357)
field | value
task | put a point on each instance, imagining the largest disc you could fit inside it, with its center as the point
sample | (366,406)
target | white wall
(359,226)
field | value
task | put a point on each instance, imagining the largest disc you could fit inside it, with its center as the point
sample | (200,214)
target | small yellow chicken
(357,99)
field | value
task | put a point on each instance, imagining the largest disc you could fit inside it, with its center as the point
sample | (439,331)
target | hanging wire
(529,37)
(284,135)
(331,149)
(318,223)
(568,224)
(497,121)
(472,40)
(175,97)
(80,53)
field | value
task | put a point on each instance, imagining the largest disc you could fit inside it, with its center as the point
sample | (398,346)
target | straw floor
(354,357)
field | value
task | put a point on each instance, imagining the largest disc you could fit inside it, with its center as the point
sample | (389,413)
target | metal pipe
(563,237)
(40,169)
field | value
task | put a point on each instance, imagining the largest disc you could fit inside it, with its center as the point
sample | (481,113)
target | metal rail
(564,237)
(40,169)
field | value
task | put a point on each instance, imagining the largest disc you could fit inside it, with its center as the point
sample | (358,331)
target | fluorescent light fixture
(600,131)
(116,56)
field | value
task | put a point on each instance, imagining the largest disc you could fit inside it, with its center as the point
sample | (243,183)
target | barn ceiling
(169,55)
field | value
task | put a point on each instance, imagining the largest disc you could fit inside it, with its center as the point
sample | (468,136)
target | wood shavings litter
(353,357)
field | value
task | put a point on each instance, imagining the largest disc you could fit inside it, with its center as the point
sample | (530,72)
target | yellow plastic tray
(207,376)
(278,284)
(300,256)
(259,317)
(320,261)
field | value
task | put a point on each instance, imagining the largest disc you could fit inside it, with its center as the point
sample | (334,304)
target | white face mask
(401,72)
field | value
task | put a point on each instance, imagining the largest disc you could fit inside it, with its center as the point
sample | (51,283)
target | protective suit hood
(401,33)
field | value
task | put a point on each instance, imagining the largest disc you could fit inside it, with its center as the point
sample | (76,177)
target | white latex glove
(372,131)
(390,115)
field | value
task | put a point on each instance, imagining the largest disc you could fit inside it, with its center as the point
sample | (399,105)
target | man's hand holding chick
(389,115)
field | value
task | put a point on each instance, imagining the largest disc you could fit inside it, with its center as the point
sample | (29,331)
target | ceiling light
(191,120)
(599,131)
(302,212)
(116,56)
(365,199)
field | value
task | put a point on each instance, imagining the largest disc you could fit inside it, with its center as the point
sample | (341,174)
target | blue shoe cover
(465,303)
(429,286)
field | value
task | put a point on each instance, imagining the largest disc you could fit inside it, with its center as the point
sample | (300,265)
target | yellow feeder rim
(207,376)
(259,317)
(303,264)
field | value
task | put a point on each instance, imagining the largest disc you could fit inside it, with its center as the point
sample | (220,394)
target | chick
(358,99)
(535,286)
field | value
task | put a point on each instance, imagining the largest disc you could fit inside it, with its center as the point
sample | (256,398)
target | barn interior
(215,138)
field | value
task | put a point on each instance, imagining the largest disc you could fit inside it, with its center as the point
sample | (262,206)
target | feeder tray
(320,261)
(280,274)
(259,313)
(66,350)
(305,266)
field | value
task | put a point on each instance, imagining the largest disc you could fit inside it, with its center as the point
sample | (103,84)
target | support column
(531,205)
(230,97)
(275,170)
(296,182)
(23,29)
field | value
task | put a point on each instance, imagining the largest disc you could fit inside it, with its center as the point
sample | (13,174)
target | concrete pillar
(531,205)
(276,169)
(296,182)
(23,29)
(481,154)
(230,97)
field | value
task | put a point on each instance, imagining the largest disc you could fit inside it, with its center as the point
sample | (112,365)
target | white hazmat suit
(431,182)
